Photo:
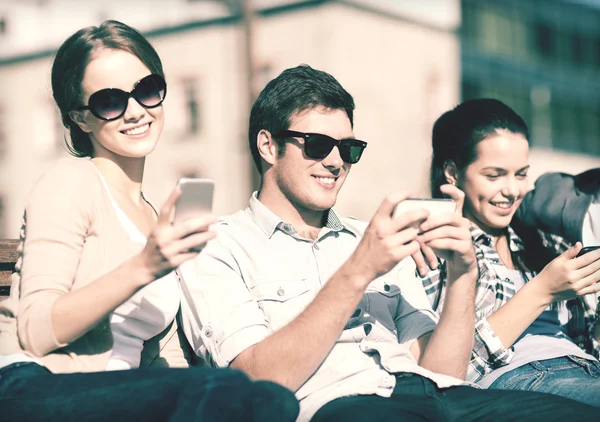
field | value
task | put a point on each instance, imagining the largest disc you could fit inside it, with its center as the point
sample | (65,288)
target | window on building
(591,129)
(545,40)
(192,107)
(469,21)
(2,217)
(3,140)
(577,47)
(470,90)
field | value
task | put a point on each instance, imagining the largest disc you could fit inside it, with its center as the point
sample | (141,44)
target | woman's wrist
(141,273)
(538,292)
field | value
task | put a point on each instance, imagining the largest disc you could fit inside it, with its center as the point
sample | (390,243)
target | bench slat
(8,251)
(8,259)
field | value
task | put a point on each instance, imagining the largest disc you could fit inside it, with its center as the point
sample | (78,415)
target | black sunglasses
(111,103)
(319,146)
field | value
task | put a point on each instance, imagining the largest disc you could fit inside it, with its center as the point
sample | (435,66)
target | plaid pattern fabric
(494,291)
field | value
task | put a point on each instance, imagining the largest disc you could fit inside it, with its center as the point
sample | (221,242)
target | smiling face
(495,183)
(307,184)
(136,133)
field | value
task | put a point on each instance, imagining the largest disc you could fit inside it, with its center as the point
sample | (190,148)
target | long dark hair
(71,61)
(455,137)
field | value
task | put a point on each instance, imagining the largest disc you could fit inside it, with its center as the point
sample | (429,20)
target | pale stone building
(400,60)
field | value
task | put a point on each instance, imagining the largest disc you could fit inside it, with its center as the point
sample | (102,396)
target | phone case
(195,200)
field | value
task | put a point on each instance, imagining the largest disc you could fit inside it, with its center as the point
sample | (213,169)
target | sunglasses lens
(151,90)
(108,103)
(351,151)
(318,146)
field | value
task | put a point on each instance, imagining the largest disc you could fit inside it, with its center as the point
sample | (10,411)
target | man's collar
(269,222)
(264,218)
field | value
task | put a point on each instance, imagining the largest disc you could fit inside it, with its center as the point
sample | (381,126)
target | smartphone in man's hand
(433,205)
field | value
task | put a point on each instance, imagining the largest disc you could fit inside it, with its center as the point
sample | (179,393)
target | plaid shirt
(494,291)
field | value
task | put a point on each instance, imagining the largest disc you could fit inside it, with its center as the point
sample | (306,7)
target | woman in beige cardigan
(96,290)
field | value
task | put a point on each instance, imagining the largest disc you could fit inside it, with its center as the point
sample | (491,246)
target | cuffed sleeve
(56,221)
(488,352)
(415,317)
(220,317)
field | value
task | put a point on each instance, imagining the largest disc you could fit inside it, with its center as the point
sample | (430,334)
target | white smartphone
(196,198)
(433,205)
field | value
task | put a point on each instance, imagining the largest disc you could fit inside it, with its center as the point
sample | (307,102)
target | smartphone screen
(587,249)
(434,206)
(196,198)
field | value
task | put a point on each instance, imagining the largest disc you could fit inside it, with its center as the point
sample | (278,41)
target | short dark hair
(294,91)
(71,61)
(458,131)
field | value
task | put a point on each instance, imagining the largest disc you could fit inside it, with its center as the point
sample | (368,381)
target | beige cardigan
(71,235)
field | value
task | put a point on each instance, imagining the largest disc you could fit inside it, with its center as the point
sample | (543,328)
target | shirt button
(280,292)
(386,287)
(208,333)
(367,328)
(315,246)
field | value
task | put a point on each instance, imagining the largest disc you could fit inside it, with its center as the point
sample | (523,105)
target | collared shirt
(493,292)
(259,274)
(590,233)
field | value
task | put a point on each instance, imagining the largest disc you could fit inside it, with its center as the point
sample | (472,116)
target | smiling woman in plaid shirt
(536,303)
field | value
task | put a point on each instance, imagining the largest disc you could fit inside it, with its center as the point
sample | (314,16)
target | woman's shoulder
(72,182)
(71,174)
(70,166)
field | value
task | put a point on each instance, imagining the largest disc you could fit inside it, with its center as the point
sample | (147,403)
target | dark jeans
(418,399)
(569,376)
(29,392)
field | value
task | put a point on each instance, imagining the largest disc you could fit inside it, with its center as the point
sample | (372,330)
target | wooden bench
(8,259)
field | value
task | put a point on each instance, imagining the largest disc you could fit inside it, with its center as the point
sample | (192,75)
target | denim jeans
(416,398)
(568,376)
(29,392)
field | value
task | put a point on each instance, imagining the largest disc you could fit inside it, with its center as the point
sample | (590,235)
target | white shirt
(147,313)
(258,275)
(590,234)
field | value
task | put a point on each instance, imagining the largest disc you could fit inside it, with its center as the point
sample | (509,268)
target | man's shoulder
(232,222)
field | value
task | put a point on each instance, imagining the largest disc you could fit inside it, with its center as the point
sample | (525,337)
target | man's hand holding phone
(445,233)
(386,240)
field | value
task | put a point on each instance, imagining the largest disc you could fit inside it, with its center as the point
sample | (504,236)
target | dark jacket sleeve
(559,202)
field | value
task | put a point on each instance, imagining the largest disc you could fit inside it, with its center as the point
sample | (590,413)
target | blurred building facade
(401,60)
(542,58)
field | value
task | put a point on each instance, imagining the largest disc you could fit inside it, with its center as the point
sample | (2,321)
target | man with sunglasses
(329,307)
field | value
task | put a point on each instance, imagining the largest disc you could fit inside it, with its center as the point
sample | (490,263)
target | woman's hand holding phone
(448,235)
(569,275)
(170,245)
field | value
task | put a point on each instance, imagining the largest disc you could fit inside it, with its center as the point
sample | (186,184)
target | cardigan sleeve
(56,222)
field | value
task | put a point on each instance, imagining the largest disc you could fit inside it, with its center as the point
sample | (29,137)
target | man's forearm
(292,354)
(449,348)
